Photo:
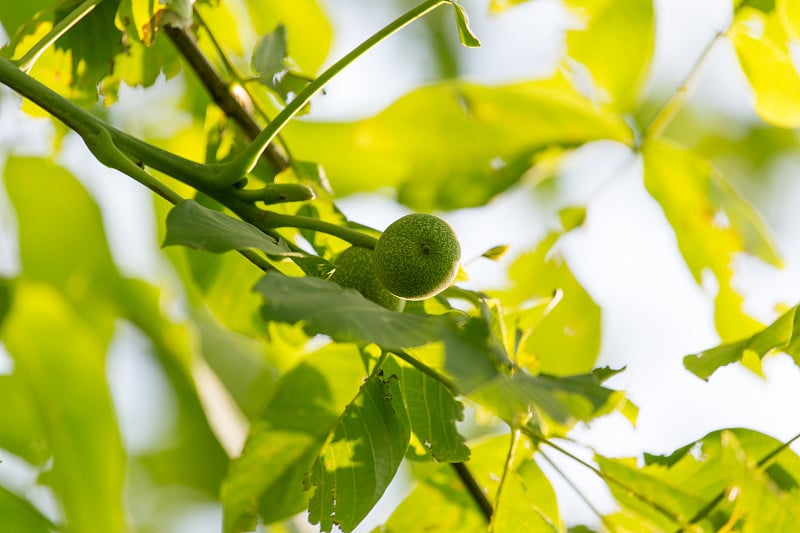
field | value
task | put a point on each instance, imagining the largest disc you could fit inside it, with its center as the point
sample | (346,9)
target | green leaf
(61,359)
(554,403)
(325,307)
(764,51)
(453,144)
(362,457)
(270,52)
(90,62)
(572,217)
(19,514)
(612,29)
(712,224)
(308,31)
(6,294)
(433,413)
(763,501)
(285,441)
(525,495)
(565,340)
(191,224)
(437,503)
(660,492)
(465,33)
(15,14)
(766,6)
(781,335)
(61,237)
(21,434)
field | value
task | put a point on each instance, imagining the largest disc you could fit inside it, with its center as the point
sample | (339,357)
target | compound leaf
(191,224)
(362,457)
(345,315)
(284,442)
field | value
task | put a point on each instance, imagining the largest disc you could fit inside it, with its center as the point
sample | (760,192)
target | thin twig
(474,489)
(220,92)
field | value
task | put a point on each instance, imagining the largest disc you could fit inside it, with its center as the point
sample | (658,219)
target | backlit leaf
(465,33)
(19,514)
(191,224)
(622,29)
(61,359)
(564,338)
(286,439)
(453,144)
(345,315)
(362,457)
(308,31)
(789,11)
(712,224)
(433,413)
(663,493)
(763,48)
(782,335)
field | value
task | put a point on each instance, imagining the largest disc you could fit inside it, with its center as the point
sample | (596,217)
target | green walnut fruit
(355,270)
(417,256)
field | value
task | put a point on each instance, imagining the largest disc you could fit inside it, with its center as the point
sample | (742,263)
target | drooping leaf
(285,440)
(308,31)
(191,224)
(612,29)
(19,514)
(561,337)
(345,315)
(453,144)
(433,413)
(781,335)
(465,33)
(270,62)
(61,360)
(361,458)
(764,50)
(712,224)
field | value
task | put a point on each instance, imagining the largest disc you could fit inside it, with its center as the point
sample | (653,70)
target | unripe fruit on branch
(417,256)
(355,270)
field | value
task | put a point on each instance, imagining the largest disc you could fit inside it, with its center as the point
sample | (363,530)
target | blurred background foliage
(128,383)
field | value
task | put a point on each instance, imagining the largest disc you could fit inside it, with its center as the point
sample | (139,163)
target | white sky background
(626,257)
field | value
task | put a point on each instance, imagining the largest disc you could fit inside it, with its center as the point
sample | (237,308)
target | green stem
(508,467)
(579,492)
(86,125)
(25,63)
(246,160)
(538,437)
(670,109)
